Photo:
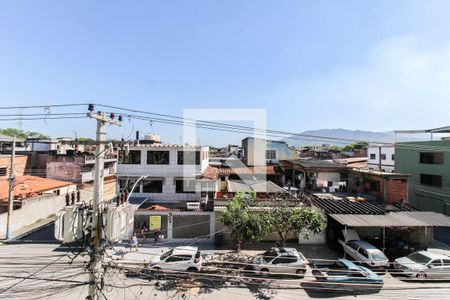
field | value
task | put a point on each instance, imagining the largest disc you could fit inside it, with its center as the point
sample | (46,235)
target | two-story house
(168,172)
(381,157)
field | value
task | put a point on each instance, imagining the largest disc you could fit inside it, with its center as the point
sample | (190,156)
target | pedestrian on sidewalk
(144,231)
(133,242)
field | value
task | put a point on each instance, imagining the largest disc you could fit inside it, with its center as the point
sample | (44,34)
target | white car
(362,251)
(280,261)
(423,265)
(183,259)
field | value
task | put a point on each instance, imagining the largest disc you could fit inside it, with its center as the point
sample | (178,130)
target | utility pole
(96,233)
(11,191)
(379,158)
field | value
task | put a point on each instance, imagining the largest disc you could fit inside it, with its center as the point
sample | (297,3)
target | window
(446,262)
(152,186)
(363,252)
(222,178)
(393,156)
(373,156)
(157,157)
(383,156)
(127,184)
(434,158)
(3,171)
(436,263)
(271,154)
(176,258)
(133,157)
(433,180)
(188,157)
(284,260)
(353,246)
(184,186)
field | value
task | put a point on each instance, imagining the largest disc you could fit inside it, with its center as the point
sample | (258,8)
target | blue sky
(369,65)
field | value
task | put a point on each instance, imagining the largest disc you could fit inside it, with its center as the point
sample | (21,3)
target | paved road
(38,271)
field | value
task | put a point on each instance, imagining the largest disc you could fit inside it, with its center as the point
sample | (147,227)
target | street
(45,271)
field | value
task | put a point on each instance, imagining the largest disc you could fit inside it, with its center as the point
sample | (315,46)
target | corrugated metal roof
(347,207)
(394,219)
(430,217)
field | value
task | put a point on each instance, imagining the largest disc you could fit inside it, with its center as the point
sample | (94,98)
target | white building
(171,171)
(381,157)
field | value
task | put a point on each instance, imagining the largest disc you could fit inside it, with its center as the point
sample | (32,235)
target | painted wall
(255,151)
(168,172)
(424,197)
(388,164)
(38,208)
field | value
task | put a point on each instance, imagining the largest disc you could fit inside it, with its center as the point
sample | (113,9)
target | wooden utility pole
(96,233)
(11,191)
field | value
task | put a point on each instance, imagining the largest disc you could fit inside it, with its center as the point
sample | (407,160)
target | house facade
(258,152)
(171,171)
(428,163)
(381,157)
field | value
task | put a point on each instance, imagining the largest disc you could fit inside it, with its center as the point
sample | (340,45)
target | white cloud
(401,84)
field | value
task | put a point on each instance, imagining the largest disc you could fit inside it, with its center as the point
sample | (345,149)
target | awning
(394,219)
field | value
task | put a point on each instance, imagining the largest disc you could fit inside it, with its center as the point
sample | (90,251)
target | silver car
(424,265)
(280,261)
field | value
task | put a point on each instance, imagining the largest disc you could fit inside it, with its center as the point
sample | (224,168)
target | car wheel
(192,270)
(300,273)
(264,272)
(421,276)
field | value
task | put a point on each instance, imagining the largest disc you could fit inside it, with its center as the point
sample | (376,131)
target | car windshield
(269,254)
(167,254)
(419,258)
(378,255)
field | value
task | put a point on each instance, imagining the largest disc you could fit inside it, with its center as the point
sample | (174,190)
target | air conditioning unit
(193,205)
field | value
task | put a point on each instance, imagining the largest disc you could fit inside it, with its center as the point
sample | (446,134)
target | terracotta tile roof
(30,186)
(215,172)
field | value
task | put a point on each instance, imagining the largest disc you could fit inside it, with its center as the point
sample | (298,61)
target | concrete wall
(169,172)
(388,164)
(38,208)
(425,197)
(21,165)
(180,225)
(255,151)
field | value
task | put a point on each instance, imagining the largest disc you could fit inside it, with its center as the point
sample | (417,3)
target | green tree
(23,134)
(357,145)
(285,219)
(244,225)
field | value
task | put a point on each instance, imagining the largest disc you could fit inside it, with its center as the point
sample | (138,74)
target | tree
(285,219)
(244,225)
(23,134)
(357,145)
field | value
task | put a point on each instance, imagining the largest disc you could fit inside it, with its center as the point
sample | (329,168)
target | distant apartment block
(381,157)
(257,152)
(429,165)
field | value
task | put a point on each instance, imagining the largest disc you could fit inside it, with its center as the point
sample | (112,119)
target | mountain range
(347,136)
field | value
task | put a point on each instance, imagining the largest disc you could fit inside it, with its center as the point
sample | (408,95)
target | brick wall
(396,191)
(21,165)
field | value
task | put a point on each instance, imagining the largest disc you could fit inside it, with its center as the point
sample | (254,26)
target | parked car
(362,251)
(423,265)
(343,275)
(185,258)
(280,261)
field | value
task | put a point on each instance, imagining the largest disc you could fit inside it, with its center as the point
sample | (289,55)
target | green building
(429,165)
